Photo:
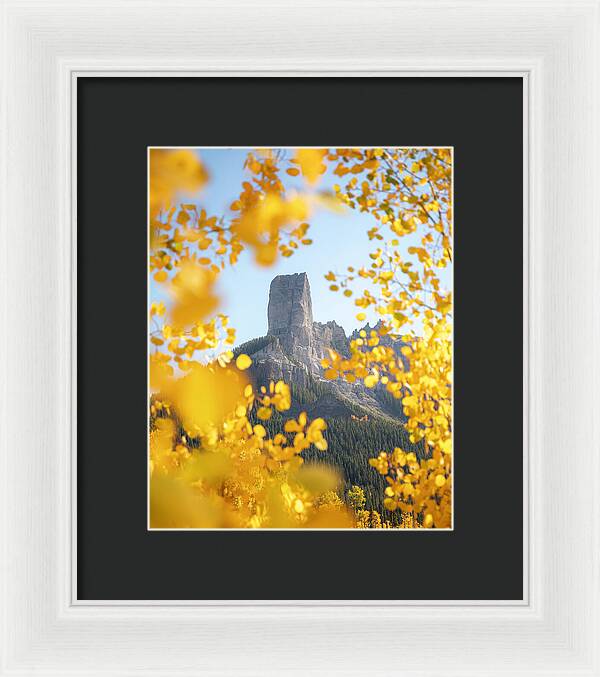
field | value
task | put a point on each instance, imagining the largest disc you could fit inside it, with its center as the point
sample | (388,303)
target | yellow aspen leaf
(203,397)
(264,413)
(292,426)
(361,317)
(182,218)
(311,162)
(192,289)
(446,446)
(160,276)
(173,171)
(371,380)
(160,372)
(292,171)
(260,431)
(440,480)
(243,362)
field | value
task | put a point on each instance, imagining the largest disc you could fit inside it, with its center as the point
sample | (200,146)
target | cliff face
(290,315)
(295,345)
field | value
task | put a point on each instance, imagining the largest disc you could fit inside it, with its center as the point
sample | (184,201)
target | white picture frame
(553,46)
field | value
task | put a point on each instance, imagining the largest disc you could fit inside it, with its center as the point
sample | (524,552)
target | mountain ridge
(293,348)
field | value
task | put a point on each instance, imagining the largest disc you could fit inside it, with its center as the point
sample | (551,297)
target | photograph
(300,338)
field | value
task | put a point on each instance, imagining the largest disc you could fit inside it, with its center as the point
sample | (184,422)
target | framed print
(284,426)
(300,344)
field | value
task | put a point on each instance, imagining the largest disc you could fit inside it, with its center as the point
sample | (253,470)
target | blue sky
(339,240)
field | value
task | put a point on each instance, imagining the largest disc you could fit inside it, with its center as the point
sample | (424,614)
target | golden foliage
(408,192)
(173,172)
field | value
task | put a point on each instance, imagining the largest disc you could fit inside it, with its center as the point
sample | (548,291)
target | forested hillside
(352,440)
